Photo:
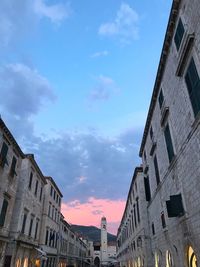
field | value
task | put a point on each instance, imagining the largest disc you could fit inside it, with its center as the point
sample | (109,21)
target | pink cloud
(87,213)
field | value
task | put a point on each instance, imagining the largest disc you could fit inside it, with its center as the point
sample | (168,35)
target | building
(49,238)
(27,215)
(104,242)
(133,242)
(10,163)
(104,252)
(33,231)
(170,148)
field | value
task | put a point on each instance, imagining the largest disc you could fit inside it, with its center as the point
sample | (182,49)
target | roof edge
(161,67)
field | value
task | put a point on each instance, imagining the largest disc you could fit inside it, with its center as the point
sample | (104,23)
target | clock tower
(104,242)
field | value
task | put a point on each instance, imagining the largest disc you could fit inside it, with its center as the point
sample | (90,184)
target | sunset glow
(90,213)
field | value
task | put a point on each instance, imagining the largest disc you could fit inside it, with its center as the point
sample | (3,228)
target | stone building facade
(31,223)
(133,243)
(10,164)
(73,250)
(51,222)
(27,214)
(170,147)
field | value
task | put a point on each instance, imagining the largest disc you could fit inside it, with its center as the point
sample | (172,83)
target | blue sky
(76,79)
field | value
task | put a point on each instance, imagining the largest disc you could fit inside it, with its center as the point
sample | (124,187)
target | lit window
(157,259)
(18,263)
(192,259)
(169,262)
(25,262)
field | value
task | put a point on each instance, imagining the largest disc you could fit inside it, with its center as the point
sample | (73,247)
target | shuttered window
(36,188)
(13,166)
(3,212)
(160,98)
(147,188)
(156,170)
(24,222)
(31,226)
(3,154)
(30,180)
(169,144)
(179,34)
(193,85)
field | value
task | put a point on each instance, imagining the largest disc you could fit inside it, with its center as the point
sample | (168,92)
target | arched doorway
(191,258)
(97,261)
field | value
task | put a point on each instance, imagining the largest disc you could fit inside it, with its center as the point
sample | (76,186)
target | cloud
(56,13)
(87,215)
(104,88)
(108,166)
(18,18)
(124,26)
(100,54)
(23,93)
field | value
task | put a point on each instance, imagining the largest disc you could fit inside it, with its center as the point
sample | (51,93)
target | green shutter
(156,170)
(193,85)
(169,144)
(13,165)
(4,152)
(179,34)
(3,212)
(161,99)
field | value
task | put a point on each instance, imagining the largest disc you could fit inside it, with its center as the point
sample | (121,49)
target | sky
(76,78)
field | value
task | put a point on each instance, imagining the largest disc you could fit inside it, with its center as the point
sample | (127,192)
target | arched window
(139,262)
(25,262)
(157,259)
(169,262)
(18,263)
(192,259)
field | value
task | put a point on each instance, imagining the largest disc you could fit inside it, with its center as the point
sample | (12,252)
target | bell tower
(104,242)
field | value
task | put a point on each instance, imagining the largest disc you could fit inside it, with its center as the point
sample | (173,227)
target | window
(55,214)
(147,188)
(47,237)
(192,259)
(36,228)
(156,170)
(169,144)
(36,188)
(3,155)
(169,261)
(3,212)
(138,211)
(54,196)
(145,156)
(153,229)
(24,222)
(30,180)
(163,220)
(134,215)
(193,85)
(179,34)
(161,99)
(52,216)
(41,193)
(151,133)
(51,192)
(31,225)
(13,166)
(49,212)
